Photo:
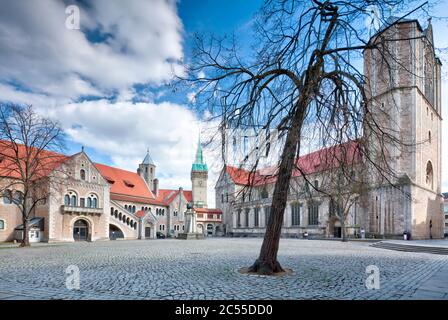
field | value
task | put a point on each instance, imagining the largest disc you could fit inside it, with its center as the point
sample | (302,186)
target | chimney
(155,187)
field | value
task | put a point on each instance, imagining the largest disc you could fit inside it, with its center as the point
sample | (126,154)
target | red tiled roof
(121,197)
(208,210)
(168,195)
(46,161)
(125,183)
(314,162)
(140,214)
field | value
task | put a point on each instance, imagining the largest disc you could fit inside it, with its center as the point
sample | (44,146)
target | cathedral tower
(404,88)
(199,175)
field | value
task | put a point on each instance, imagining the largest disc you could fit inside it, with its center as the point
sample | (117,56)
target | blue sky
(105,83)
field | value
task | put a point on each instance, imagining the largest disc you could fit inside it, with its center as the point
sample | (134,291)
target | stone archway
(115,232)
(334,227)
(81,230)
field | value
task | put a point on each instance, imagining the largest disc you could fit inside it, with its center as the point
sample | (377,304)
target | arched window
(429,175)
(92,201)
(116,214)
(124,218)
(112,211)
(126,207)
(119,216)
(67,200)
(74,201)
(7,197)
(2,225)
(133,209)
(82,174)
(429,136)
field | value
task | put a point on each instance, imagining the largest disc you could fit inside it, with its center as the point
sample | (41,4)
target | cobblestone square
(206,269)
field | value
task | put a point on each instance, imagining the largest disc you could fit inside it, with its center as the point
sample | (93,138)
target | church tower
(199,175)
(147,170)
(404,93)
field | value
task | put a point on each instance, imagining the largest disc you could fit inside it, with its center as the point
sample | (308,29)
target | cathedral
(410,96)
(95,202)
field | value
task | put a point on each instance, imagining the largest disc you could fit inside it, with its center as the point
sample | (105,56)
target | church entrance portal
(147,232)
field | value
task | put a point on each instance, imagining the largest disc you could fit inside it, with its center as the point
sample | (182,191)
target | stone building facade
(94,202)
(405,98)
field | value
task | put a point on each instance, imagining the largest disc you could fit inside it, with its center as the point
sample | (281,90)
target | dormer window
(109,179)
(128,183)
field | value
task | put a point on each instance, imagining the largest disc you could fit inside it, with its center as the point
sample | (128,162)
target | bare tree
(304,78)
(28,145)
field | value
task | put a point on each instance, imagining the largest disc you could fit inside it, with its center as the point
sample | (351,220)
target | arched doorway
(334,227)
(80,230)
(115,232)
(200,228)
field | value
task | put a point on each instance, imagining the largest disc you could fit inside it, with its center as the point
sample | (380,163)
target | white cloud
(125,130)
(142,44)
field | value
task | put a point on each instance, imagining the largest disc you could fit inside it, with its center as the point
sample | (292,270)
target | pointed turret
(147,170)
(147,160)
(199,163)
(199,176)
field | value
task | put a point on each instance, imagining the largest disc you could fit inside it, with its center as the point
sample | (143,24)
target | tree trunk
(25,236)
(267,263)
(343,231)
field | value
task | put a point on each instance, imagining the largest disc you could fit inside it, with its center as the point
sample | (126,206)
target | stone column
(287,216)
(251,218)
(304,214)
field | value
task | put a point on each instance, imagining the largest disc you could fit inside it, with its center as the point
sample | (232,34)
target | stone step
(410,248)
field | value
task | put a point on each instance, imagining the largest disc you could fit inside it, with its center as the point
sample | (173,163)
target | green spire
(199,163)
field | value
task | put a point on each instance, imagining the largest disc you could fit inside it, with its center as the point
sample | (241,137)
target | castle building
(405,98)
(90,201)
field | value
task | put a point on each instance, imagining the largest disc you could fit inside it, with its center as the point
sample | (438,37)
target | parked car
(160,235)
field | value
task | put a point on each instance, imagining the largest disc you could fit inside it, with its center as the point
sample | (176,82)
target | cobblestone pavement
(206,269)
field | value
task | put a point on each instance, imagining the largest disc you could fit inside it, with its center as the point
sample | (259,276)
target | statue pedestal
(190,226)
(190,236)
